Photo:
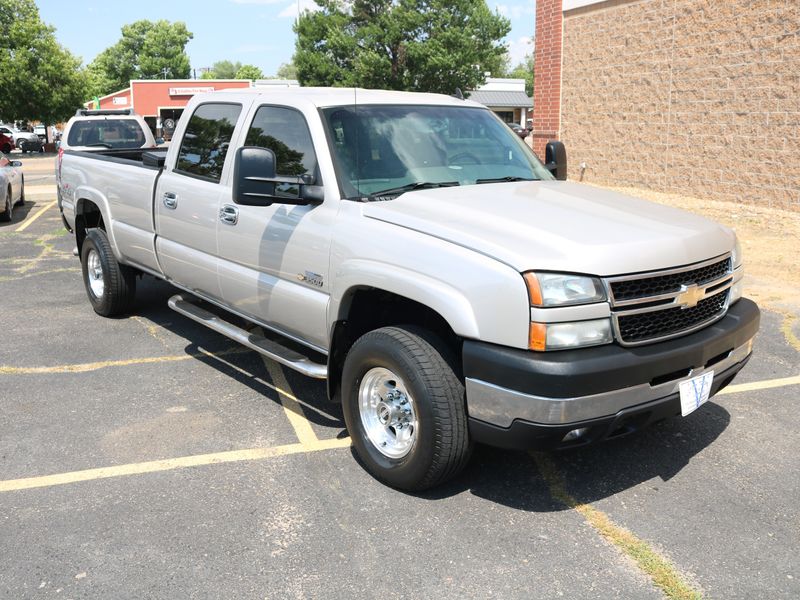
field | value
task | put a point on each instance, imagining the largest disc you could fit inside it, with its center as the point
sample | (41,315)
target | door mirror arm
(255,181)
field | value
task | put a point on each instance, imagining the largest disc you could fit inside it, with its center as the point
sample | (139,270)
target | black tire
(22,146)
(119,281)
(8,210)
(21,201)
(6,149)
(441,447)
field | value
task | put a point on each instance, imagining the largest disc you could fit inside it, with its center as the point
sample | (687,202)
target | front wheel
(21,201)
(8,210)
(404,408)
(111,287)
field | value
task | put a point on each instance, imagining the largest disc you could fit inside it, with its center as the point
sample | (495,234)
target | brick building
(162,101)
(691,96)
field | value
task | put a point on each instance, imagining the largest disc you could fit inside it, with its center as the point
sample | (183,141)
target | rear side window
(206,140)
(107,133)
(285,132)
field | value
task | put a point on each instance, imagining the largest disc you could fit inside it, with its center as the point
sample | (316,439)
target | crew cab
(411,250)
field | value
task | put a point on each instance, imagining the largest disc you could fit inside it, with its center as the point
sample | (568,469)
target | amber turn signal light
(537,337)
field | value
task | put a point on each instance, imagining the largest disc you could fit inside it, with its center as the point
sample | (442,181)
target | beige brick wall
(690,96)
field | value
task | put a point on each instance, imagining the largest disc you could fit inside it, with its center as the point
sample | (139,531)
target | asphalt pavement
(147,457)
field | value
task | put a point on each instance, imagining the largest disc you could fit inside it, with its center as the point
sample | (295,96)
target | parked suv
(107,129)
(26,141)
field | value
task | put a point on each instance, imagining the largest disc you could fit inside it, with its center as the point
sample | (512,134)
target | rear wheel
(6,148)
(23,146)
(404,408)
(111,287)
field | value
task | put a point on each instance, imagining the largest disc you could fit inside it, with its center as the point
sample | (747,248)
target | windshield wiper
(104,144)
(504,179)
(410,187)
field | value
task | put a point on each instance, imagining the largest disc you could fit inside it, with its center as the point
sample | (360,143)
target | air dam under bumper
(520,399)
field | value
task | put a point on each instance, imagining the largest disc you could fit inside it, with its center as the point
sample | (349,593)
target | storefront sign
(120,100)
(189,91)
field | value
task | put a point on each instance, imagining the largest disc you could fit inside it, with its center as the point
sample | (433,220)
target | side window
(285,132)
(206,140)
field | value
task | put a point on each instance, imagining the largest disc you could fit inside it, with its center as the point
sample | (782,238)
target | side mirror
(556,159)
(16,163)
(256,184)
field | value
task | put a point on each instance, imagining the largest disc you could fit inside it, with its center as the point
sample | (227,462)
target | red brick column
(547,74)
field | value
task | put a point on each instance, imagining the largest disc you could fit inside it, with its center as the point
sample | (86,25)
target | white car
(26,141)
(91,130)
(12,186)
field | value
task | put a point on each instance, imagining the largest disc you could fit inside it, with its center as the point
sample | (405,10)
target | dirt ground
(770,241)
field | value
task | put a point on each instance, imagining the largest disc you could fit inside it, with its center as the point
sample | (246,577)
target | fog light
(575,434)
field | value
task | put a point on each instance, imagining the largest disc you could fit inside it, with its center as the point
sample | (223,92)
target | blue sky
(255,32)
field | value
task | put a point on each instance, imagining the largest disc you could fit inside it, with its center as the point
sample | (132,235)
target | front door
(274,259)
(188,196)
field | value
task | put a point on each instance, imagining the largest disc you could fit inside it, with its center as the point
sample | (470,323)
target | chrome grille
(630,289)
(650,307)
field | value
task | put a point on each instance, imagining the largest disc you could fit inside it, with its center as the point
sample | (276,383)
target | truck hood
(558,226)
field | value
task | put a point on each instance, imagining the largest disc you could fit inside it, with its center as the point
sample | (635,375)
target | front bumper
(521,399)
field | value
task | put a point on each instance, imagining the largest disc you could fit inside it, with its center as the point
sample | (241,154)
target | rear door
(188,196)
(274,259)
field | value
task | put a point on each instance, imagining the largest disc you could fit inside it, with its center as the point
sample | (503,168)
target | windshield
(107,133)
(383,151)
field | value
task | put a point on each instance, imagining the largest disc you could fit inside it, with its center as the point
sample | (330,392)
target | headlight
(578,334)
(736,255)
(554,289)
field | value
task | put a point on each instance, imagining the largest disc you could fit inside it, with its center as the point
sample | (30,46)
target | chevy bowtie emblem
(690,295)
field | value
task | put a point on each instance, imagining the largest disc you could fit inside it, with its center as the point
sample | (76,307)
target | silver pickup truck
(412,250)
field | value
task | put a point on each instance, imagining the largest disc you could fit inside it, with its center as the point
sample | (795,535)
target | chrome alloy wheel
(95,271)
(387,413)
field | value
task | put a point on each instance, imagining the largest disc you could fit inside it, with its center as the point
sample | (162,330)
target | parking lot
(148,457)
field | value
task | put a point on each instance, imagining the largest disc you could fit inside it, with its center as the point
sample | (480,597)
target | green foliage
(146,50)
(223,69)
(420,45)
(39,79)
(524,70)
(287,71)
(251,72)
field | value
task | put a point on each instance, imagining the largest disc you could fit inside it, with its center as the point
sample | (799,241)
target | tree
(223,69)
(421,45)
(287,71)
(524,70)
(39,79)
(251,72)
(146,50)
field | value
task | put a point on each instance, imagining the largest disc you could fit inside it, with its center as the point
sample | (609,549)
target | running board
(272,350)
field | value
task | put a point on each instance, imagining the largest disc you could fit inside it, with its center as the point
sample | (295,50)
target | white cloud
(517,49)
(290,12)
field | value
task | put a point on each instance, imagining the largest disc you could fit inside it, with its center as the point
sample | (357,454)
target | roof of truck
(323,97)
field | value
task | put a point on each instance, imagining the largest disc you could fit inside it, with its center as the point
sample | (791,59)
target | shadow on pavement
(505,477)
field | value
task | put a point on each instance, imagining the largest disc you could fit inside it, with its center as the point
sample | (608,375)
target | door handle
(229,214)
(170,200)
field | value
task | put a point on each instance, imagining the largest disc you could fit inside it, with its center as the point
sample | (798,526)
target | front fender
(447,301)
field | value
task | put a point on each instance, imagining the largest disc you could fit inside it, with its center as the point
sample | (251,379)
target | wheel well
(87,216)
(366,309)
